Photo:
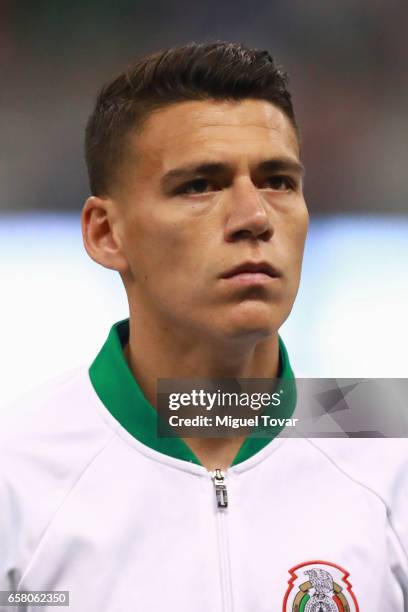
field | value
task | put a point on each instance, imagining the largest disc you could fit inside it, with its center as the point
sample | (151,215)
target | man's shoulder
(380,465)
(48,439)
(52,423)
(48,406)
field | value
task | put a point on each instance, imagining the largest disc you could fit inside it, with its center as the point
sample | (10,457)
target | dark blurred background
(347,61)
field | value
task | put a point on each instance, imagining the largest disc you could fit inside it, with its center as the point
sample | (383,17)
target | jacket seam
(60,505)
(122,434)
(159,460)
(388,511)
(137,446)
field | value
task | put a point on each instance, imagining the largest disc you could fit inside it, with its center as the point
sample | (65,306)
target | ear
(100,224)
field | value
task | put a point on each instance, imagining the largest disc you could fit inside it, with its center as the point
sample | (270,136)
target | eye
(196,186)
(279,183)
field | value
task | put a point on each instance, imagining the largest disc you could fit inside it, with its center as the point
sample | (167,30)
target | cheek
(299,231)
(161,250)
(296,236)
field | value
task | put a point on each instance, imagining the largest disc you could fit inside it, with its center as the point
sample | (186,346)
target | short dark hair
(215,71)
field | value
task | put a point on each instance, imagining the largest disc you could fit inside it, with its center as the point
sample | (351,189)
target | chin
(258,321)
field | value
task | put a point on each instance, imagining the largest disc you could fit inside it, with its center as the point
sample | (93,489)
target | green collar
(119,391)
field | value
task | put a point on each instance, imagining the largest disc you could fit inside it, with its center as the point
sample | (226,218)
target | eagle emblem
(319,586)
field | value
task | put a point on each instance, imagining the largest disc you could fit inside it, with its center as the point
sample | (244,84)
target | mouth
(252,273)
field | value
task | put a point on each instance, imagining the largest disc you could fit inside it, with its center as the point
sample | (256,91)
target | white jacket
(125,524)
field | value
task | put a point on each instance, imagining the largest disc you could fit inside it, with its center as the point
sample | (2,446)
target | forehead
(223,131)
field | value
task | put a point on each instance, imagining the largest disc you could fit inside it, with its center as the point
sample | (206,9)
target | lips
(252,267)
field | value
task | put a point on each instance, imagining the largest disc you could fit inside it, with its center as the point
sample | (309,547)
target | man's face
(213,219)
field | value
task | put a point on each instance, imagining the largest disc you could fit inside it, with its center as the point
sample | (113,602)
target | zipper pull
(220,489)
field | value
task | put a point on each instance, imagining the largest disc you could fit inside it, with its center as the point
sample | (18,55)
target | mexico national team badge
(319,586)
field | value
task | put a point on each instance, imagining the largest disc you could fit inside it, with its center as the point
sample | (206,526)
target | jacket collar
(119,391)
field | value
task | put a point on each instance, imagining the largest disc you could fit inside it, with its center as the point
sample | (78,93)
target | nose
(248,214)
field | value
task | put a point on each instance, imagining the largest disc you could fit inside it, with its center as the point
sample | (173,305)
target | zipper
(221,493)
(221,498)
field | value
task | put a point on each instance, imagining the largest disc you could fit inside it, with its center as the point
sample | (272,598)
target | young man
(197,201)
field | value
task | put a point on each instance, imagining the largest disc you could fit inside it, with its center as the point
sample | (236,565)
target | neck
(158,351)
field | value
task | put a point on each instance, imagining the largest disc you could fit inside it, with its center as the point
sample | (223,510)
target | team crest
(319,586)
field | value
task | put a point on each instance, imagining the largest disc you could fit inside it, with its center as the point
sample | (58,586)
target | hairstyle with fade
(216,71)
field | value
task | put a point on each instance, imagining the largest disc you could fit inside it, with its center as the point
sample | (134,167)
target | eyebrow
(278,164)
(282,164)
